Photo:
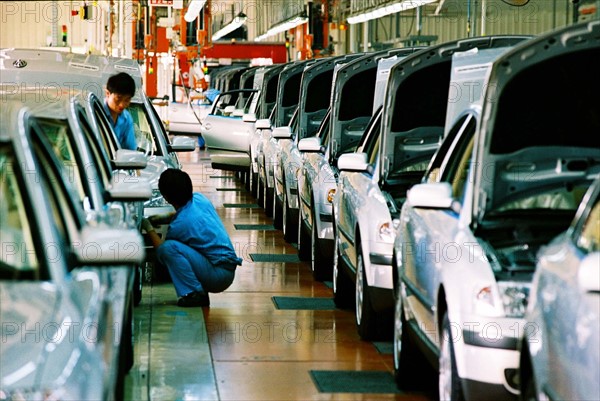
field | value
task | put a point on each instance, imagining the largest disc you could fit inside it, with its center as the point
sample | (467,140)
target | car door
(426,232)
(226,131)
(571,313)
(355,188)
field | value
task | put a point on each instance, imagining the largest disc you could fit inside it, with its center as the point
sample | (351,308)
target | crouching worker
(197,250)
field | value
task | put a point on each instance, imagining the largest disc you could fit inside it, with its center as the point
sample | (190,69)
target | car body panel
(228,137)
(82,308)
(472,260)
(561,336)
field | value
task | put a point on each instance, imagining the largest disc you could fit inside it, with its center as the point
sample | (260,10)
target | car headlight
(330,195)
(386,232)
(510,301)
(514,297)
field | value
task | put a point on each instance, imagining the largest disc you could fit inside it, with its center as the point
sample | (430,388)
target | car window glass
(457,166)
(435,165)
(101,168)
(142,129)
(589,240)
(64,212)
(106,133)
(59,136)
(17,259)
(371,145)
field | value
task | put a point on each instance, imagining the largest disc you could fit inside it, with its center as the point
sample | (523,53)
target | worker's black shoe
(194,298)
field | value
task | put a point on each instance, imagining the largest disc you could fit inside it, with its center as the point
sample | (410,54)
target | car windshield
(17,259)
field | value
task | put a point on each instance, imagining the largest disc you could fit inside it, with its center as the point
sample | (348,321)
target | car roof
(77,71)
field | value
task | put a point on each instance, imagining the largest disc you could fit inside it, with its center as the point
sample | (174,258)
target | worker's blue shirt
(123,127)
(198,225)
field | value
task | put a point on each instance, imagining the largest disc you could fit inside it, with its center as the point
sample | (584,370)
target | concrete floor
(242,347)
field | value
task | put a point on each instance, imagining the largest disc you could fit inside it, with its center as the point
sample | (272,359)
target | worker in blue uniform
(197,250)
(120,89)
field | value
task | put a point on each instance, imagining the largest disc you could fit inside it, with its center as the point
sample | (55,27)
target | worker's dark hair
(121,83)
(176,186)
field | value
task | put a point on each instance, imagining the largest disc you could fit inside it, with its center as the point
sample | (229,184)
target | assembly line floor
(243,347)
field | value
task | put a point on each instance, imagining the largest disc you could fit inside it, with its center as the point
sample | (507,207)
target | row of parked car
(451,194)
(72,200)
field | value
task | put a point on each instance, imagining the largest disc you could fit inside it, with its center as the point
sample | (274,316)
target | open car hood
(539,131)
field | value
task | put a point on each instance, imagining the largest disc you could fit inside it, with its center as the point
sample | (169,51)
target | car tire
(410,368)
(449,382)
(267,195)
(254,183)
(342,285)
(528,385)
(290,231)
(366,317)
(137,285)
(321,267)
(277,212)
(304,240)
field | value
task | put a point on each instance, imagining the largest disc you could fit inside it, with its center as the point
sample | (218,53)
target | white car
(510,179)
(339,134)
(560,350)
(315,94)
(373,183)
(63,281)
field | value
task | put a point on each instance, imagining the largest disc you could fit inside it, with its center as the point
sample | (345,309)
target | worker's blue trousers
(191,271)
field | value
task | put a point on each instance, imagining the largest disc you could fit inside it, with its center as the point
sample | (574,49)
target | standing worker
(120,88)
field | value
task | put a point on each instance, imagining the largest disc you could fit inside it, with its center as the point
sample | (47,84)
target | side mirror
(284,132)
(127,188)
(229,110)
(249,118)
(112,246)
(354,162)
(312,144)
(435,195)
(126,159)
(182,144)
(588,276)
(263,123)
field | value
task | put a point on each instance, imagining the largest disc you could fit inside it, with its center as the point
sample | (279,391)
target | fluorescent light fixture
(193,10)
(237,22)
(387,10)
(283,26)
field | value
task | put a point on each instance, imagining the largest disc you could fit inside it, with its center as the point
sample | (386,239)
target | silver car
(560,350)
(63,282)
(315,96)
(511,180)
(339,134)
(76,72)
(372,186)
(284,114)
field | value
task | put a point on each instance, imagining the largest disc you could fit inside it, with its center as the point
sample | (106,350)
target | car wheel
(321,267)
(267,195)
(409,366)
(342,289)
(290,231)
(277,212)
(366,318)
(259,189)
(449,382)
(137,285)
(304,245)
(528,385)
(253,183)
